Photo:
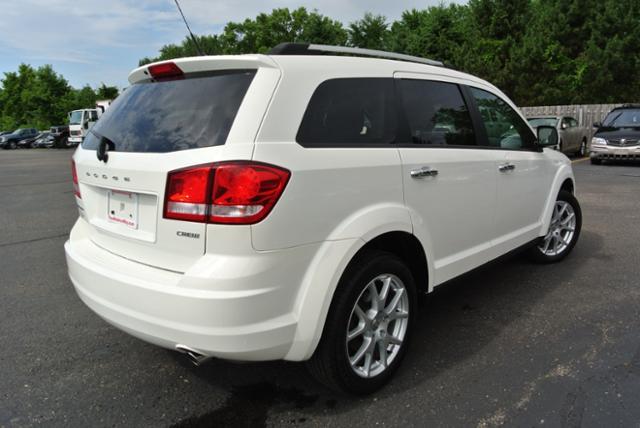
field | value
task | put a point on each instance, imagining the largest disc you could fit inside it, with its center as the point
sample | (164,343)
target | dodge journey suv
(292,205)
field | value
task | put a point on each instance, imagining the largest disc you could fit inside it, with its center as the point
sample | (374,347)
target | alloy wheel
(561,230)
(377,325)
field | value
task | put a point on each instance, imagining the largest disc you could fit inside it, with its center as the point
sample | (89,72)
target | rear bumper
(247,317)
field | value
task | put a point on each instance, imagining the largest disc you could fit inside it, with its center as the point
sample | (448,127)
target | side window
(572,122)
(350,112)
(505,128)
(437,113)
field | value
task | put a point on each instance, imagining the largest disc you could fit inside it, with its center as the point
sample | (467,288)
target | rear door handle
(425,171)
(506,167)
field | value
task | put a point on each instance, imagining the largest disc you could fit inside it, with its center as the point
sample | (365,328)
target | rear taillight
(165,71)
(74,175)
(236,192)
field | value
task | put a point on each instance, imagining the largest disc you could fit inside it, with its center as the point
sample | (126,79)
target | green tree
(370,32)
(105,92)
(260,34)
(439,33)
(33,98)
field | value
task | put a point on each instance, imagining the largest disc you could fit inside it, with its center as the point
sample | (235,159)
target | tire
(12,145)
(582,151)
(564,231)
(330,363)
(596,161)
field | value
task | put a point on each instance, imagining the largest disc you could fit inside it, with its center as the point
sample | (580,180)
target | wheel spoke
(562,210)
(360,328)
(547,241)
(398,315)
(386,283)
(394,340)
(375,297)
(361,352)
(567,219)
(368,358)
(394,302)
(360,313)
(382,349)
(556,244)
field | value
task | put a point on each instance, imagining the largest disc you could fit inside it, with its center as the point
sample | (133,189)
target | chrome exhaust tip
(194,356)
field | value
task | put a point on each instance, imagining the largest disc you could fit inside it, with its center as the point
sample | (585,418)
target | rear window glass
(350,112)
(173,115)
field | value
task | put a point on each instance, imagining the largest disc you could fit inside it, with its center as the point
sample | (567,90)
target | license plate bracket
(122,208)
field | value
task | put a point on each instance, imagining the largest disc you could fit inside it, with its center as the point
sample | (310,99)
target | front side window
(350,112)
(436,113)
(505,128)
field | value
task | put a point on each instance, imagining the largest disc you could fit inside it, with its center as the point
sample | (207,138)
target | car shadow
(455,322)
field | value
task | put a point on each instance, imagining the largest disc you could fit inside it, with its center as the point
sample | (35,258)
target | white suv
(292,205)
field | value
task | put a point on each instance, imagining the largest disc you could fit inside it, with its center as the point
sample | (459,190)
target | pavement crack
(26,241)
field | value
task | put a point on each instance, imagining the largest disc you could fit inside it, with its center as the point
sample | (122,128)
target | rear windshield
(173,115)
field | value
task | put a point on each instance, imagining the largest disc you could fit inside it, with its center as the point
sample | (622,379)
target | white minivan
(292,205)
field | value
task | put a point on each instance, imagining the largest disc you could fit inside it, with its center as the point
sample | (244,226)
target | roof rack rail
(313,49)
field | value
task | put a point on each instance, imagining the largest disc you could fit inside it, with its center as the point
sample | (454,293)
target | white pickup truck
(81,121)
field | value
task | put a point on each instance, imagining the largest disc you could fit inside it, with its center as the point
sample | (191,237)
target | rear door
(152,128)
(449,182)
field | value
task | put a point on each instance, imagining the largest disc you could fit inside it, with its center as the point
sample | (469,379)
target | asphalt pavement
(511,343)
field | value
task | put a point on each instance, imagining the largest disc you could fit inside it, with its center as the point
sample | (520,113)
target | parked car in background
(573,138)
(618,136)
(60,136)
(44,141)
(33,142)
(11,140)
(302,219)
(29,143)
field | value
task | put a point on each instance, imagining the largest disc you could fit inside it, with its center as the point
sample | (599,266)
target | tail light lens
(74,175)
(236,192)
(165,71)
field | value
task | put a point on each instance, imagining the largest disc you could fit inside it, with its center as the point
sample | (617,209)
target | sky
(100,41)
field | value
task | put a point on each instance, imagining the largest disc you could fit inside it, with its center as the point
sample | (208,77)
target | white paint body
(262,292)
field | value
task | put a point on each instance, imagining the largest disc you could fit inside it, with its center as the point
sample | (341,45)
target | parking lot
(512,342)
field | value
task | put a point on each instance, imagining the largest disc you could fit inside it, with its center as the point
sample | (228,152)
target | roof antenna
(193,38)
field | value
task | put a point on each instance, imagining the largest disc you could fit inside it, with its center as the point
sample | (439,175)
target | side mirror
(547,135)
(597,124)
